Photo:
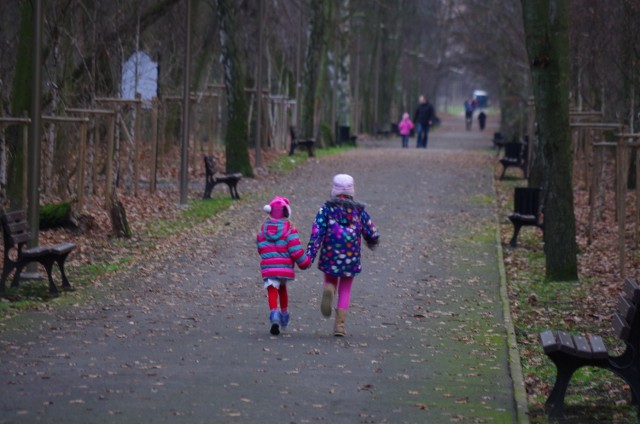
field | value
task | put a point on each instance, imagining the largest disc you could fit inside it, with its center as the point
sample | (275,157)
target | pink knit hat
(343,184)
(278,208)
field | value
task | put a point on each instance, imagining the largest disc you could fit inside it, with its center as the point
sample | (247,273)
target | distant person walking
(337,236)
(404,129)
(423,118)
(482,120)
(469,108)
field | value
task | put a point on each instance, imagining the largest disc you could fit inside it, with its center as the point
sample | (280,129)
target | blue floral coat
(337,233)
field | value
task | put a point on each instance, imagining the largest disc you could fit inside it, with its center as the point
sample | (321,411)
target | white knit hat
(343,184)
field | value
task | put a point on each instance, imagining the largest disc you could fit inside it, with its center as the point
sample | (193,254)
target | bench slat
(598,349)
(15,216)
(17,239)
(566,342)
(549,343)
(63,248)
(626,309)
(632,291)
(18,227)
(621,327)
(36,252)
(583,349)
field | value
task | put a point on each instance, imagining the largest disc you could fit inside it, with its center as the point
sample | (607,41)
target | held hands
(305,264)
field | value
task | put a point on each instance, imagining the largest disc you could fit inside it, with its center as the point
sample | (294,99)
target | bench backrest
(526,201)
(292,131)
(15,229)
(513,150)
(209,165)
(626,319)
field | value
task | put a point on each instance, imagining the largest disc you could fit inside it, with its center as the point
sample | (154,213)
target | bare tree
(547,35)
(236,143)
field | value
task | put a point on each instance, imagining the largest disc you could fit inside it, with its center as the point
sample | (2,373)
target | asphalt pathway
(183,337)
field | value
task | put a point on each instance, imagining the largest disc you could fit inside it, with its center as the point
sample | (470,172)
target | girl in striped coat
(279,247)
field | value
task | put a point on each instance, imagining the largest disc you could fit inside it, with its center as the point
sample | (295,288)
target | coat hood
(273,229)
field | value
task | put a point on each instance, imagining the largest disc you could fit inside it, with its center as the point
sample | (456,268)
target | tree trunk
(343,67)
(119,222)
(20,103)
(312,70)
(236,137)
(546,27)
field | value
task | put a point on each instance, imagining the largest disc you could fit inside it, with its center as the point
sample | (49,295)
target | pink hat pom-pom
(267,208)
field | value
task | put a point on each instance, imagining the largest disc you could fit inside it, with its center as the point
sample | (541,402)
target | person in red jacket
(279,248)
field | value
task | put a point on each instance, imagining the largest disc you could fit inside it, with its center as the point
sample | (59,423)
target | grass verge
(594,395)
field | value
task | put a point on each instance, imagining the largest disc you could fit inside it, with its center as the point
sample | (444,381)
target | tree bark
(236,137)
(343,67)
(316,51)
(20,103)
(547,39)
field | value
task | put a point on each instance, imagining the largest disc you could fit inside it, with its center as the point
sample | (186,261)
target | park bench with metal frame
(527,211)
(16,234)
(572,352)
(514,156)
(296,142)
(231,180)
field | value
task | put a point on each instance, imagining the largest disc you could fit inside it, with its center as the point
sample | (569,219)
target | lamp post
(184,151)
(357,23)
(261,10)
(33,183)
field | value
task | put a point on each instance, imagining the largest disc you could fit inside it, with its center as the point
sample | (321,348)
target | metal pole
(299,72)
(259,85)
(33,182)
(185,109)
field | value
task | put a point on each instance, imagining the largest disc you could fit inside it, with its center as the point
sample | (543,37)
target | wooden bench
(527,211)
(571,352)
(16,234)
(296,142)
(514,156)
(231,180)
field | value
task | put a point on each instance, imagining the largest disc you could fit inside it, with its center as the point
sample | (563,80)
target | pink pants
(343,285)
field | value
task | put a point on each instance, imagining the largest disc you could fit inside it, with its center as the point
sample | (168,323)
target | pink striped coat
(279,247)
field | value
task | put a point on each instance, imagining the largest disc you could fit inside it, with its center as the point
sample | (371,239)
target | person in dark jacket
(423,119)
(482,120)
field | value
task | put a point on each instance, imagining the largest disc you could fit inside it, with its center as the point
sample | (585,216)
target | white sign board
(139,75)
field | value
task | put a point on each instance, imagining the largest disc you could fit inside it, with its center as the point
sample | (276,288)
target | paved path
(183,337)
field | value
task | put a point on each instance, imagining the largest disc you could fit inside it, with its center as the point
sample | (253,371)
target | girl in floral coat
(337,235)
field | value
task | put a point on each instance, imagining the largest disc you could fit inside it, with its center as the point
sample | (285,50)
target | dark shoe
(274,318)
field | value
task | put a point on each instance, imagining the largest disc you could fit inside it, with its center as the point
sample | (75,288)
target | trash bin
(343,134)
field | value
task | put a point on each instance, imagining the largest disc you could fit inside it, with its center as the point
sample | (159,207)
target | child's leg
(274,315)
(284,297)
(344,292)
(331,279)
(328,290)
(284,304)
(272,295)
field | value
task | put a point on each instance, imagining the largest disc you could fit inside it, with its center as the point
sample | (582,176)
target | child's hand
(305,264)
